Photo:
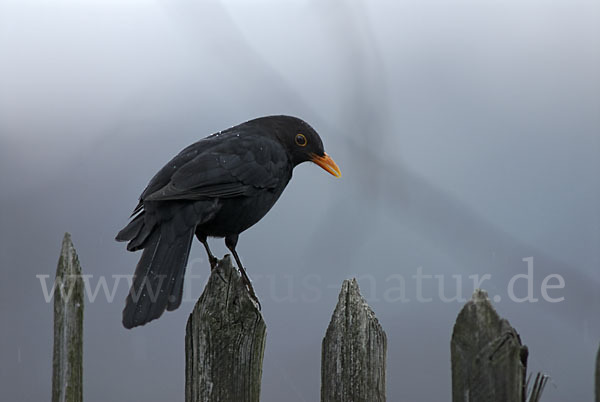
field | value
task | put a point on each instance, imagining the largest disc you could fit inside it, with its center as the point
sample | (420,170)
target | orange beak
(327,163)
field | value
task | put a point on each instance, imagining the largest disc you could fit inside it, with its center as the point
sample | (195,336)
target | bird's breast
(238,214)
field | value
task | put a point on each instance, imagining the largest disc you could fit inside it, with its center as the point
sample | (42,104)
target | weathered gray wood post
(224,341)
(489,362)
(67,362)
(354,351)
(537,388)
(598,376)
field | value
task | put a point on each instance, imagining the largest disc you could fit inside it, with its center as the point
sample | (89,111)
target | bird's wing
(234,167)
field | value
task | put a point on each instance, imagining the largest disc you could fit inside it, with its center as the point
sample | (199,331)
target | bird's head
(301,142)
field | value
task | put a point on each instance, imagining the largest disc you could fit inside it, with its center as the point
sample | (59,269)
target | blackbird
(216,187)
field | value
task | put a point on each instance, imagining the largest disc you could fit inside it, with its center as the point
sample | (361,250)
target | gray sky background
(468,137)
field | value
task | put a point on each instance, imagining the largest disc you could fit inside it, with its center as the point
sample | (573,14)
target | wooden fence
(225,342)
(67,360)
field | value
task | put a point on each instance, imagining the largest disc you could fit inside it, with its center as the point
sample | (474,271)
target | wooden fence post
(67,361)
(224,341)
(598,376)
(354,351)
(489,362)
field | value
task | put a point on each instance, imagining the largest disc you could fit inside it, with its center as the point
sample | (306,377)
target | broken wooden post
(224,341)
(354,351)
(489,362)
(67,362)
(536,389)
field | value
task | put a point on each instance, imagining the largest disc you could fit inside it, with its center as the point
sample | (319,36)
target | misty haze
(467,132)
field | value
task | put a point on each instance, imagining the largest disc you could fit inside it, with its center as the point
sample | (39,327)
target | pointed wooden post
(67,364)
(354,351)
(224,341)
(489,362)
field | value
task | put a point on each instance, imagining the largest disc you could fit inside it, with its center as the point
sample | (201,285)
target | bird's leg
(211,258)
(231,242)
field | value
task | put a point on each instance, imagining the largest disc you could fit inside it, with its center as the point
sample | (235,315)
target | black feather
(158,280)
(217,187)
(132,229)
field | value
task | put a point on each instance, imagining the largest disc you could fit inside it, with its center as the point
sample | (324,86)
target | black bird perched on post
(216,187)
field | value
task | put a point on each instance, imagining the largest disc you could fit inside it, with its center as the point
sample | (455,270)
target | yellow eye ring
(300,140)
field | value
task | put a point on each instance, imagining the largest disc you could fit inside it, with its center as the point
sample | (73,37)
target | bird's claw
(213,262)
(253,295)
(250,288)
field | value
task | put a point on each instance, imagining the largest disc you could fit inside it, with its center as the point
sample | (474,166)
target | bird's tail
(136,232)
(158,279)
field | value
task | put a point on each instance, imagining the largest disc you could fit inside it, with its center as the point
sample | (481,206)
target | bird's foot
(253,295)
(249,287)
(213,262)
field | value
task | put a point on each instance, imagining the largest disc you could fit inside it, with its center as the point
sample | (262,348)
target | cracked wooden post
(354,351)
(489,363)
(67,361)
(224,341)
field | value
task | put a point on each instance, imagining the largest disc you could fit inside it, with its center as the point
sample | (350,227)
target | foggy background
(467,133)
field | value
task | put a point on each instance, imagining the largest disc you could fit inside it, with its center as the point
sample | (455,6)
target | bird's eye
(301,140)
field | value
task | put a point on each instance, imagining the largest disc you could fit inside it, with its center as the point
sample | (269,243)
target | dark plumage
(216,187)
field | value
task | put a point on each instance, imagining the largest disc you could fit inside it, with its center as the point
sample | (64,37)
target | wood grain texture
(224,341)
(354,351)
(489,363)
(67,363)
